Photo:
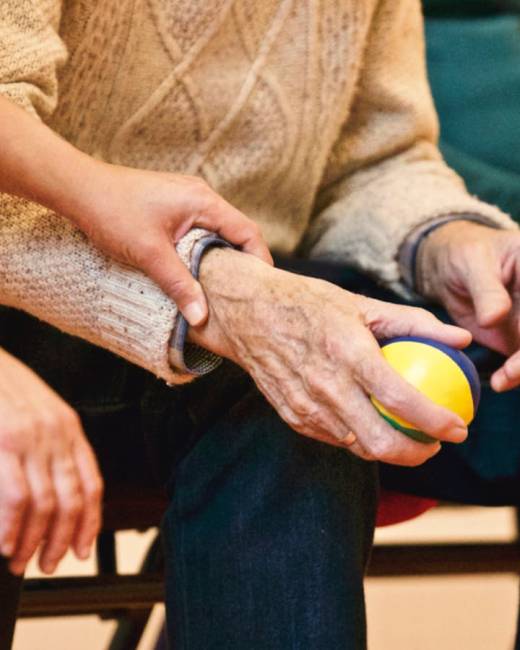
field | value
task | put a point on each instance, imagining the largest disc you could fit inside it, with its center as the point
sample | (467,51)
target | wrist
(234,284)
(446,231)
(429,264)
(82,190)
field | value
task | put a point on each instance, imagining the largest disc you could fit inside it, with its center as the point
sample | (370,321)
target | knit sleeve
(385,175)
(49,269)
(31,52)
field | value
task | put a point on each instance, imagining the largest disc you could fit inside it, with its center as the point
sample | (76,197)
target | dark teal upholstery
(474,69)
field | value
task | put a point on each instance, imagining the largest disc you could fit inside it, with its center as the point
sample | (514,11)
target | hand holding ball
(445,375)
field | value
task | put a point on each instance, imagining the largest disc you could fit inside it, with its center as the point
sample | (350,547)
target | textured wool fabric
(49,269)
(314,119)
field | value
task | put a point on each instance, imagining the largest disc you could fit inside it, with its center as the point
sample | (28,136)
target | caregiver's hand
(311,349)
(137,216)
(132,215)
(474,271)
(50,486)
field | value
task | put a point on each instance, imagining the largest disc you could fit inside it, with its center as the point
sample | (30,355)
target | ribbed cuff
(410,247)
(138,321)
(187,357)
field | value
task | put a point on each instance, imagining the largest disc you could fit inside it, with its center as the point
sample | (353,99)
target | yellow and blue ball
(445,375)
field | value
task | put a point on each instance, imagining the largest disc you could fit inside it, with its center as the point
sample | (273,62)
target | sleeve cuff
(410,247)
(187,357)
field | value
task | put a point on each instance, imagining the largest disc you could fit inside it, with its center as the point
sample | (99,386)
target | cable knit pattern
(315,119)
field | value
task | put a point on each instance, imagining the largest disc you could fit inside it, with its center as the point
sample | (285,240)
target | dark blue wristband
(185,356)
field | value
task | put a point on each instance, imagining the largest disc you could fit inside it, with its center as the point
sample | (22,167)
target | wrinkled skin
(311,348)
(474,272)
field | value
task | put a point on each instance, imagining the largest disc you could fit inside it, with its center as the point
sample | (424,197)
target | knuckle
(318,385)
(181,286)
(288,415)
(394,401)
(362,452)
(423,314)
(315,418)
(16,503)
(72,505)
(94,490)
(17,499)
(367,369)
(313,424)
(299,404)
(47,421)
(509,370)
(44,504)
(366,455)
(11,435)
(294,421)
(334,347)
(17,429)
(70,418)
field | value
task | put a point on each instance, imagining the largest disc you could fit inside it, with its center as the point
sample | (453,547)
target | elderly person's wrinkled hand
(474,271)
(50,486)
(312,350)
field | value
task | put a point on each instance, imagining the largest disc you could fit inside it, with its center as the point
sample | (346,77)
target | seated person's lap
(140,427)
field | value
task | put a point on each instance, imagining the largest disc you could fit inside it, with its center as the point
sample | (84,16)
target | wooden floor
(440,613)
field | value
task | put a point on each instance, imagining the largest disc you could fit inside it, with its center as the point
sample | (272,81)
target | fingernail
(7,549)
(48,567)
(194,313)
(460,433)
(497,383)
(17,568)
(84,552)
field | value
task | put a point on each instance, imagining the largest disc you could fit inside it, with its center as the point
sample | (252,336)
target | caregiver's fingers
(38,515)
(92,487)
(69,504)
(14,501)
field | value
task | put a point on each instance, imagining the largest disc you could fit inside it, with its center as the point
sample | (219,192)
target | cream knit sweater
(314,118)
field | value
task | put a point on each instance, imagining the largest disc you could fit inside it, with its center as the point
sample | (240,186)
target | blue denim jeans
(267,538)
(268,533)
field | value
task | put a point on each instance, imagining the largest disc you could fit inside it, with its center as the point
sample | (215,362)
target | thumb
(174,278)
(490,298)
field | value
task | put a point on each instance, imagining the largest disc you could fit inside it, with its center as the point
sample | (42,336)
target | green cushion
(474,69)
